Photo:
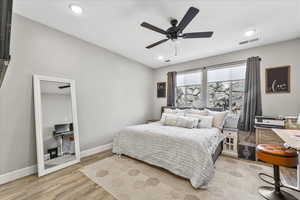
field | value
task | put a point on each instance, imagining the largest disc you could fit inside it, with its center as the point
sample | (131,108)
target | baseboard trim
(10,176)
(95,150)
(20,173)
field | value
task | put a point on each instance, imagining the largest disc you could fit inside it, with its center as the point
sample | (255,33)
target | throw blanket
(184,152)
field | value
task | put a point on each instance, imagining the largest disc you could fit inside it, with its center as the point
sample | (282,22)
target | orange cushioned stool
(276,155)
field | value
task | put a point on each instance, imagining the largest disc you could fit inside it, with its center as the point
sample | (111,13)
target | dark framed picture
(161,90)
(278,79)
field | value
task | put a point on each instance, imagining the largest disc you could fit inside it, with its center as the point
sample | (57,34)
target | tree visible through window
(189,89)
(224,86)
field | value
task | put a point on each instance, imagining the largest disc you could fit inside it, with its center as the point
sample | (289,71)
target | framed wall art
(161,90)
(278,79)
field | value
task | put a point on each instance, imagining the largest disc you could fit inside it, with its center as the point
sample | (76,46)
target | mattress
(184,152)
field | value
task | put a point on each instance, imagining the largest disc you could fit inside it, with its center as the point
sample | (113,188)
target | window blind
(226,74)
(189,78)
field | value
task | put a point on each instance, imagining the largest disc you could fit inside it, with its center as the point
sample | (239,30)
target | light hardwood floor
(65,184)
(71,184)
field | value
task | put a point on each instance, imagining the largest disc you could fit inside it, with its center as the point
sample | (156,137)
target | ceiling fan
(175,31)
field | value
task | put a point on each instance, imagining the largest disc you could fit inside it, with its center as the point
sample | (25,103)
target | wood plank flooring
(70,184)
(66,184)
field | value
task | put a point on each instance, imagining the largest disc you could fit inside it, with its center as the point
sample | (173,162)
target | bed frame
(218,152)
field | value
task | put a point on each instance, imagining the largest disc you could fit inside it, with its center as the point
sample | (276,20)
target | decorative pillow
(187,122)
(231,121)
(170,120)
(195,111)
(219,118)
(203,121)
(163,118)
(206,122)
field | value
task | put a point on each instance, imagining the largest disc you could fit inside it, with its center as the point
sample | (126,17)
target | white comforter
(184,152)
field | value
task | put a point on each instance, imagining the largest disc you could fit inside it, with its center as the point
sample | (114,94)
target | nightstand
(230,142)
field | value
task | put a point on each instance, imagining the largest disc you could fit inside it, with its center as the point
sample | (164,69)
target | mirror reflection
(57,123)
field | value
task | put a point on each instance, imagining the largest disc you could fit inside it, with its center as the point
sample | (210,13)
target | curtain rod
(215,66)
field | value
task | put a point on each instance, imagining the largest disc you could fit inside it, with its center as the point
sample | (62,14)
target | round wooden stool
(278,156)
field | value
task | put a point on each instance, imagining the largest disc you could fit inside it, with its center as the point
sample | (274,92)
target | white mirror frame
(39,128)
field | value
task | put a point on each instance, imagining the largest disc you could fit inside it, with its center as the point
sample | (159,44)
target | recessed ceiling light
(160,57)
(250,33)
(76,9)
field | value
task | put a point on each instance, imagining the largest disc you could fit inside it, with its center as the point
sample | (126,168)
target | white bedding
(184,152)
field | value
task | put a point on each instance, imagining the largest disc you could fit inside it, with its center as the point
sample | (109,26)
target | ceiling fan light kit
(76,9)
(176,29)
(160,57)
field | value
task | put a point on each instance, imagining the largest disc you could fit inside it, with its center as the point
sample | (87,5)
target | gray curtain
(171,88)
(252,97)
(3,68)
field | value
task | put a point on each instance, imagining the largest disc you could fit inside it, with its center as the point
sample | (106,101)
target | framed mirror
(56,124)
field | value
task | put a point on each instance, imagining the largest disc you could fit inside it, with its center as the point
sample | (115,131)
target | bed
(189,153)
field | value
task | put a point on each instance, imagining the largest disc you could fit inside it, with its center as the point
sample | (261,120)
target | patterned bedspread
(184,152)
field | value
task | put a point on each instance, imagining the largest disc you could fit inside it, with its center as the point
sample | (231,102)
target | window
(189,89)
(224,88)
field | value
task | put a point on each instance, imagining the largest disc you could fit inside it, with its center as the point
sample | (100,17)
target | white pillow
(187,122)
(174,111)
(163,118)
(195,111)
(170,111)
(204,121)
(170,120)
(180,112)
(164,115)
(219,118)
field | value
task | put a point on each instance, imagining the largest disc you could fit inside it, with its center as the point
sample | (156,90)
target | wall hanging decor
(278,79)
(161,90)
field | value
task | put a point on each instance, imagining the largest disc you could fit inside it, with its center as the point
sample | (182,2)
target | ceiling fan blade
(197,35)
(189,16)
(153,28)
(156,43)
(64,86)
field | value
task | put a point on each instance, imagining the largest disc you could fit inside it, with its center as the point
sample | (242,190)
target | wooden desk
(267,136)
(288,136)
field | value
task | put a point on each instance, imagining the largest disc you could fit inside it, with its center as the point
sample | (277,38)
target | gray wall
(283,53)
(112,91)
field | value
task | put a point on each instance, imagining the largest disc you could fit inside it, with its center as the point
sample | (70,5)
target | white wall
(112,91)
(279,54)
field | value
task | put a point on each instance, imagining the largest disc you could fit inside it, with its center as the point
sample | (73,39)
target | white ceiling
(115,24)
